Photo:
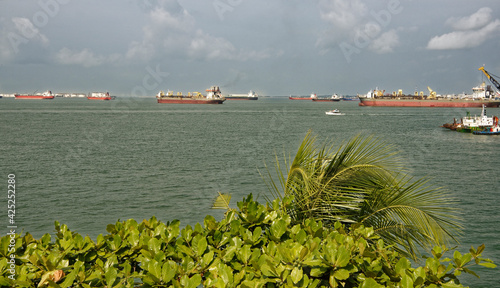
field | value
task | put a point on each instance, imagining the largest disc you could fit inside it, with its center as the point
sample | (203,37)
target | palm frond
(364,182)
(222,201)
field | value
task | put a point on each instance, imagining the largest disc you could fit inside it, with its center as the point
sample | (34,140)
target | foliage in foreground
(252,246)
(362,182)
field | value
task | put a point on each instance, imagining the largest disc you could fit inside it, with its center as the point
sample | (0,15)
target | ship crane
(490,77)
(432,94)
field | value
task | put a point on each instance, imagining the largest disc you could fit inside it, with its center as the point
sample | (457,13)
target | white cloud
(17,32)
(343,14)
(386,42)
(6,50)
(172,31)
(344,17)
(29,31)
(354,27)
(469,38)
(474,21)
(85,57)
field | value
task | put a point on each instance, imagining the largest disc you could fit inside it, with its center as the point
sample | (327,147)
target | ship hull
(99,98)
(299,98)
(241,98)
(486,132)
(426,103)
(190,101)
(33,97)
(326,100)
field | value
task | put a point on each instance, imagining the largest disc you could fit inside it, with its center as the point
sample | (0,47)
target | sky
(274,47)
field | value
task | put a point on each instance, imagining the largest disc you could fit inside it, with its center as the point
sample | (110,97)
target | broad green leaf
(268,271)
(296,275)
(111,276)
(342,257)
(406,281)
(244,253)
(133,238)
(301,236)
(168,271)
(341,274)
(155,269)
(207,259)
(228,254)
(402,265)
(117,241)
(194,281)
(278,228)
(154,245)
(370,283)
(257,234)
(226,273)
(199,244)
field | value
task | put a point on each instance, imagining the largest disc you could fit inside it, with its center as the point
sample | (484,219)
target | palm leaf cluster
(362,182)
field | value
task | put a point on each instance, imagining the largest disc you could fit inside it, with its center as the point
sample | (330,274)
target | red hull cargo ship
(213,96)
(44,95)
(99,96)
(482,95)
(302,97)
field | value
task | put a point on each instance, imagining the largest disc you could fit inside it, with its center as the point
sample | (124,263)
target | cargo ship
(482,95)
(45,95)
(213,96)
(250,96)
(302,97)
(99,96)
(334,98)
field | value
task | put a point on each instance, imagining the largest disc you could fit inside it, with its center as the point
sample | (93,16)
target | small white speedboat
(334,112)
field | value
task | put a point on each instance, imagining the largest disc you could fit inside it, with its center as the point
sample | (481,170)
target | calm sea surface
(90,163)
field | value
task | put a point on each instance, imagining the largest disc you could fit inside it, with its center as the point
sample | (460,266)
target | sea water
(91,163)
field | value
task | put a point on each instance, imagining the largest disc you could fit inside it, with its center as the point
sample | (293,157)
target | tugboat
(494,130)
(479,125)
(214,96)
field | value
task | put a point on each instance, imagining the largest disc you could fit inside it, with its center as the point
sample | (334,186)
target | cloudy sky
(275,47)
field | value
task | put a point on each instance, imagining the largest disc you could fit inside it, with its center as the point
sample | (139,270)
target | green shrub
(253,246)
